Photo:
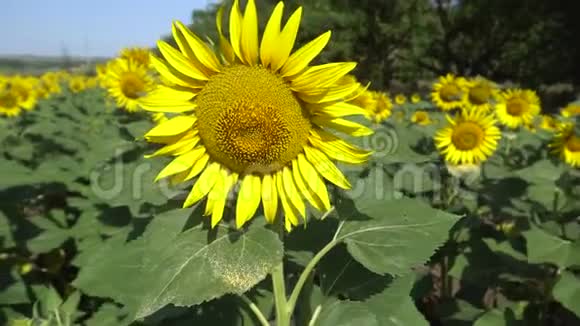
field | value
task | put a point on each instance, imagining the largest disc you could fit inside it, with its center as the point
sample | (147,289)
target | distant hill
(34,65)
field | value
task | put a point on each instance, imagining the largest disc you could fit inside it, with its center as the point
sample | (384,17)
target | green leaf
(394,305)
(345,313)
(543,247)
(400,235)
(541,172)
(496,317)
(567,292)
(180,268)
(192,270)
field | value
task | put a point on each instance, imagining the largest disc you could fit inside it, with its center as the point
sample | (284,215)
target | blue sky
(89,27)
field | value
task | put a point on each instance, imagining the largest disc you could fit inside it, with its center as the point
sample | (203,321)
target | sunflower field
(240,180)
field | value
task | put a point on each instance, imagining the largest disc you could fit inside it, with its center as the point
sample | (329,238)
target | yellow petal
(173,148)
(300,59)
(166,99)
(203,185)
(337,110)
(337,149)
(180,163)
(249,41)
(271,33)
(197,167)
(219,195)
(248,199)
(173,126)
(290,212)
(332,94)
(202,51)
(178,61)
(225,46)
(292,192)
(171,76)
(186,49)
(314,181)
(303,189)
(236,28)
(325,167)
(269,197)
(286,40)
(342,125)
(322,76)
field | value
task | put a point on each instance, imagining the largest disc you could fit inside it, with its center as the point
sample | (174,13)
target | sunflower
(421,118)
(566,144)
(548,123)
(256,115)
(479,93)
(77,84)
(24,90)
(380,108)
(415,98)
(448,92)
(571,110)
(470,138)
(138,55)
(127,82)
(9,103)
(517,107)
(400,99)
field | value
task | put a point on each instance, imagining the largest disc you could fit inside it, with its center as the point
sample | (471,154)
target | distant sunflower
(566,144)
(127,82)
(138,55)
(571,110)
(380,108)
(9,103)
(415,98)
(77,84)
(470,138)
(517,107)
(421,118)
(548,123)
(448,92)
(400,99)
(24,90)
(480,93)
(257,118)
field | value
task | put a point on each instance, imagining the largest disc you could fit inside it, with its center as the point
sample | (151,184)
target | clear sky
(87,27)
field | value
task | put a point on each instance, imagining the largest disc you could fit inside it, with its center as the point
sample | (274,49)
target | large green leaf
(399,235)
(346,313)
(394,305)
(567,292)
(182,269)
(543,247)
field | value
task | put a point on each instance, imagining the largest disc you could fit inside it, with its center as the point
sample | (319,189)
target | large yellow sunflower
(470,138)
(128,81)
(448,92)
(566,144)
(256,115)
(479,93)
(517,107)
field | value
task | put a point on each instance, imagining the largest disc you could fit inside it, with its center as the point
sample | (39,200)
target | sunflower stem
(279,286)
(255,310)
(308,269)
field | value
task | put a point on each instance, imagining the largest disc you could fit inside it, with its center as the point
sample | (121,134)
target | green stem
(255,310)
(308,269)
(278,283)
(315,316)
